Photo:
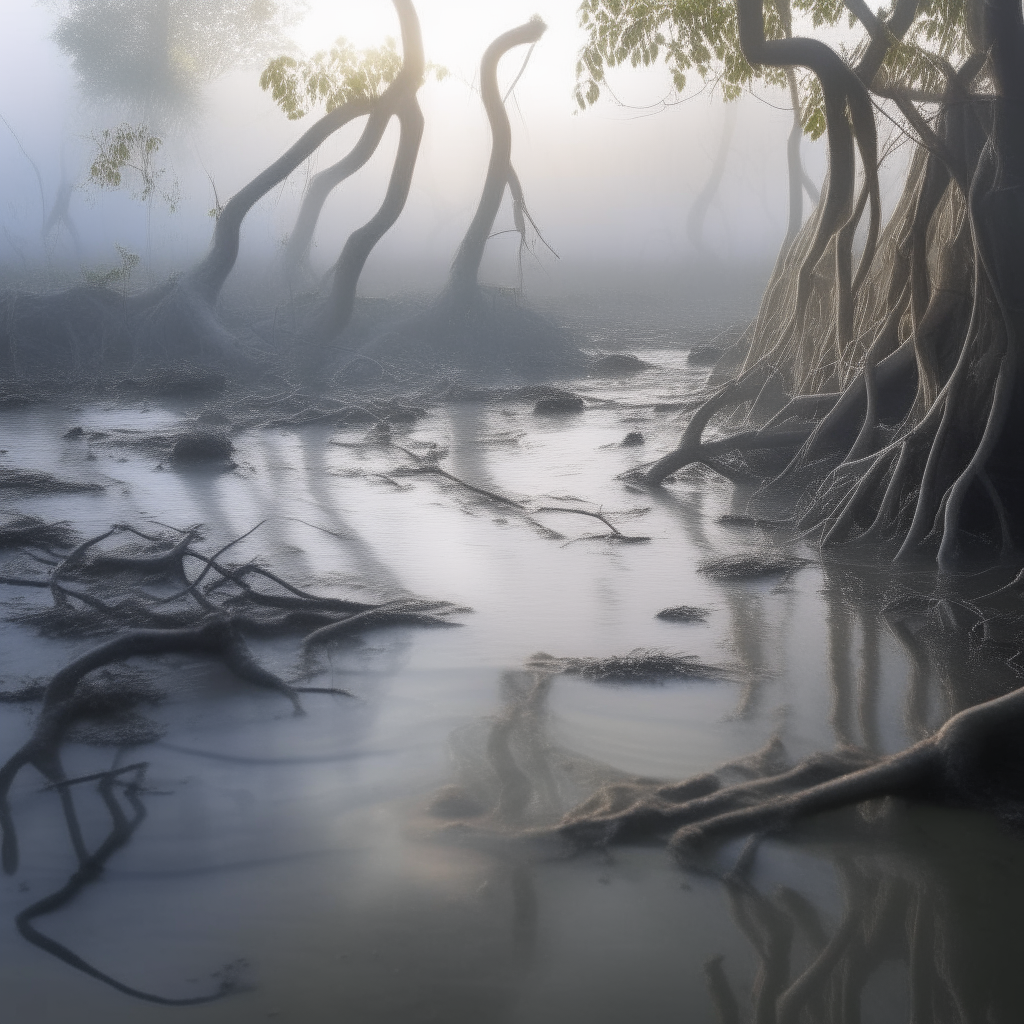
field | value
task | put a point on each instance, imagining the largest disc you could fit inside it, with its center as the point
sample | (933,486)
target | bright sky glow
(455,34)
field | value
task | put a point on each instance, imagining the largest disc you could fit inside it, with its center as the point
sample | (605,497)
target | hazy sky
(612,184)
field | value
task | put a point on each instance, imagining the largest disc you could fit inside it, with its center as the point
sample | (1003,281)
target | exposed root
(614,534)
(973,760)
(426,464)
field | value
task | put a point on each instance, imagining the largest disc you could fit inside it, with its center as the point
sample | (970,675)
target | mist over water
(609,187)
(433,619)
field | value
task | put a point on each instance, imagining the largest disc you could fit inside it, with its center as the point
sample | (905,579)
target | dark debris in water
(26,694)
(106,710)
(559,405)
(42,483)
(638,666)
(633,439)
(751,566)
(29,531)
(197,446)
(683,613)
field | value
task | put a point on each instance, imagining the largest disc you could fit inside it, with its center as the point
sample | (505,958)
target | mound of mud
(491,337)
(32,482)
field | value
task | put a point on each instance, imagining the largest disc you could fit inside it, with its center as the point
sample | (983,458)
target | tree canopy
(700,39)
(330,77)
(156,54)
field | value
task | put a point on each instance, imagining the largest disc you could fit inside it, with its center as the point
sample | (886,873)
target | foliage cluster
(333,77)
(131,150)
(701,38)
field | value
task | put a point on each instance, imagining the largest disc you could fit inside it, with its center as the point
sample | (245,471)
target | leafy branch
(333,77)
(129,151)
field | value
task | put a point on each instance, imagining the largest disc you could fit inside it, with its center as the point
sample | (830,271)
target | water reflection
(885,912)
(929,929)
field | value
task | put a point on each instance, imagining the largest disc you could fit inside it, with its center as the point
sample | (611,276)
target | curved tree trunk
(699,209)
(383,109)
(323,184)
(361,242)
(463,279)
(797,175)
(209,276)
(849,120)
(60,216)
(916,362)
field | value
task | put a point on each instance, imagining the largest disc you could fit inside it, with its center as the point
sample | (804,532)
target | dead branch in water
(98,589)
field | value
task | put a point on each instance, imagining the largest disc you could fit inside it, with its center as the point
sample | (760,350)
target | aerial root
(906,372)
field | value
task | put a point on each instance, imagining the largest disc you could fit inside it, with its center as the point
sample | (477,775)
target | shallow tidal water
(307,856)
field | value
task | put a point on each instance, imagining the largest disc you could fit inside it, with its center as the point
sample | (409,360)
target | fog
(609,187)
(440,628)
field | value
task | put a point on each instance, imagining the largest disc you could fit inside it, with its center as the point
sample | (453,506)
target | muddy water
(307,856)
